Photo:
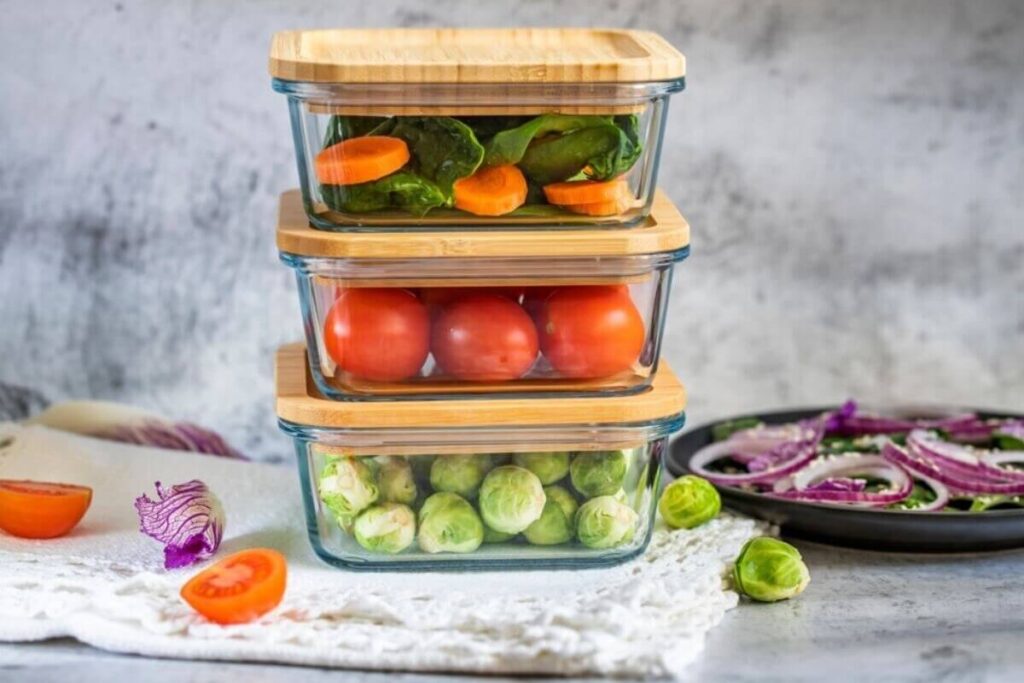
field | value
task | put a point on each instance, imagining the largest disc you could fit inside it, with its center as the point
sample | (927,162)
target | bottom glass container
(502,484)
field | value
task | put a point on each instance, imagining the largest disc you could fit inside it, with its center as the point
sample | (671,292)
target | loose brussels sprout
(688,502)
(385,528)
(598,474)
(396,481)
(769,570)
(346,487)
(459,474)
(449,524)
(604,522)
(549,467)
(511,499)
(557,520)
(492,536)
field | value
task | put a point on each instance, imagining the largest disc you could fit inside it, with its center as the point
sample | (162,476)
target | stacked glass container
(483,265)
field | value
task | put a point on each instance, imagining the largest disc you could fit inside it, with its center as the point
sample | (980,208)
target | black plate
(888,530)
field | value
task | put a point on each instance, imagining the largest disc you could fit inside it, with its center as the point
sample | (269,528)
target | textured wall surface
(854,173)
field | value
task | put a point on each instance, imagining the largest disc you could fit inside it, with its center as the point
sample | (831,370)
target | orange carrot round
(360,160)
(585,191)
(491,191)
(611,207)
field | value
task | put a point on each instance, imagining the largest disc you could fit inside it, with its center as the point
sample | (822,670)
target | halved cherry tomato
(36,509)
(378,334)
(589,332)
(240,588)
(484,337)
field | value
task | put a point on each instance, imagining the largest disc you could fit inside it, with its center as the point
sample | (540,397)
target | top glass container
(476,128)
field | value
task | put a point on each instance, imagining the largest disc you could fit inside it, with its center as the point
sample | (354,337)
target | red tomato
(37,509)
(591,332)
(437,297)
(484,337)
(378,334)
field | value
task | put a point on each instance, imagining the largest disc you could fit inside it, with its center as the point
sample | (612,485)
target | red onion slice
(959,460)
(722,449)
(842,467)
(917,461)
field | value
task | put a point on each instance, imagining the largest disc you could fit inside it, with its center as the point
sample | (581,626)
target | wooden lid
(664,231)
(523,55)
(299,402)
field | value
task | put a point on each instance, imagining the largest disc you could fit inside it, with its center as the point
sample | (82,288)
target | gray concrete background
(853,172)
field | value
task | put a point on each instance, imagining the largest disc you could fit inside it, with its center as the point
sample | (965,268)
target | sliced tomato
(37,509)
(240,588)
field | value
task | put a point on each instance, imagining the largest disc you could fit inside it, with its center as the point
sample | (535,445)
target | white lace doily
(104,585)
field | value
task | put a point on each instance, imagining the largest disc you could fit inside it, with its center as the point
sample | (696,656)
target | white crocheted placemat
(104,584)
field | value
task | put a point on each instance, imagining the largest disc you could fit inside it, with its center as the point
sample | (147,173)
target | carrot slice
(36,509)
(585,191)
(240,588)
(491,191)
(360,160)
(611,207)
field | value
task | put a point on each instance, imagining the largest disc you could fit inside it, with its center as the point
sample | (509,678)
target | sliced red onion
(838,484)
(996,459)
(803,482)
(1011,428)
(188,519)
(921,463)
(175,436)
(959,460)
(723,449)
(941,495)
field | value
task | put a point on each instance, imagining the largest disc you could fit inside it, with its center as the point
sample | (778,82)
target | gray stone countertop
(865,616)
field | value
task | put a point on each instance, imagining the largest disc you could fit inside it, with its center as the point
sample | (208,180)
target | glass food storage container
(502,484)
(475,314)
(474,128)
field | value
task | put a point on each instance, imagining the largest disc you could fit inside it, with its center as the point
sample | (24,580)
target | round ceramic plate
(888,530)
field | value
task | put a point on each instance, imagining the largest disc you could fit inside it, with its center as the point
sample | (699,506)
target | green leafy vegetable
(404,190)
(509,146)
(444,149)
(343,127)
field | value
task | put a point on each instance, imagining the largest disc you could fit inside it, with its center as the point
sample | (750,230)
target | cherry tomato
(378,334)
(591,332)
(240,588)
(484,337)
(36,509)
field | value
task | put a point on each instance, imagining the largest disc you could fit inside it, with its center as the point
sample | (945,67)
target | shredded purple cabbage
(175,436)
(188,519)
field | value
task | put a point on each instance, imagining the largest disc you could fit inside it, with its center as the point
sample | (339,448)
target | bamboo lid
(299,402)
(523,55)
(665,230)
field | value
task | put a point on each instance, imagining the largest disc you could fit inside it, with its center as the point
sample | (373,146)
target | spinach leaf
(403,190)
(509,146)
(343,127)
(624,155)
(485,127)
(444,149)
(559,158)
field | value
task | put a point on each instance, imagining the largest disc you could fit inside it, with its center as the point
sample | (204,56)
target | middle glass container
(423,315)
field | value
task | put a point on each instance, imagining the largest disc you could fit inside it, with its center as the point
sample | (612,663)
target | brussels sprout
(396,481)
(347,488)
(557,520)
(511,499)
(688,502)
(769,570)
(421,465)
(459,474)
(599,473)
(604,522)
(492,536)
(549,467)
(385,528)
(449,524)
